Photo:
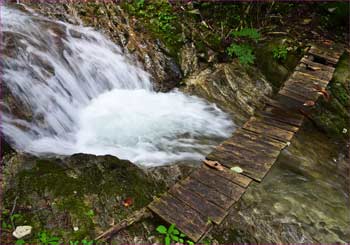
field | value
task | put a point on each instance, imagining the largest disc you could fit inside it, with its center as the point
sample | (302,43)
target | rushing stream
(85,95)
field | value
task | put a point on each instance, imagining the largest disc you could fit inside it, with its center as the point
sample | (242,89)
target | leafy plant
(251,33)
(280,53)
(241,47)
(20,242)
(173,235)
(46,238)
(90,213)
(84,242)
(243,51)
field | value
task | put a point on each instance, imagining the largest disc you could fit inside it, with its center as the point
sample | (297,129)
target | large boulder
(234,87)
(74,198)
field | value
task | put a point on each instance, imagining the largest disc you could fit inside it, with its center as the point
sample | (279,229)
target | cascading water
(86,96)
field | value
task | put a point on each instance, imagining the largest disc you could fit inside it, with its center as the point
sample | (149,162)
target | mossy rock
(333,116)
(275,70)
(81,191)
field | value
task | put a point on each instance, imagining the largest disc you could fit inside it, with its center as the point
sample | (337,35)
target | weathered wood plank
(208,193)
(297,75)
(330,57)
(277,133)
(323,75)
(186,219)
(282,116)
(278,124)
(246,135)
(228,174)
(313,64)
(254,167)
(207,209)
(307,92)
(293,95)
(251,146)
(223,186)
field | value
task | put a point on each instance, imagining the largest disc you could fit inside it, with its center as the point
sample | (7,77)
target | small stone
(22,231)
(75,228)
(344,131)
(75,192)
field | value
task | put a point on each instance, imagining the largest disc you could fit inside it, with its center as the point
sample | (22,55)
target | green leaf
(182,235)
(176,232)
(162,229)
(167,240)
(190,242)
(247,32)
(20,241)
(175,238)
(171,229)
(181,240)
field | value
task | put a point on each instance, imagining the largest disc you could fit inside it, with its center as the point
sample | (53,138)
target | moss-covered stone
(82,191)
(333,116)
(277,70)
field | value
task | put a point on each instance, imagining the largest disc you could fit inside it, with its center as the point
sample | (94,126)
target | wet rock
(333,116)
(236,88)
(189,59)
(277,71)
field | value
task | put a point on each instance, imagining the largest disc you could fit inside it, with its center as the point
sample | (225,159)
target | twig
(133,218)
(13,210)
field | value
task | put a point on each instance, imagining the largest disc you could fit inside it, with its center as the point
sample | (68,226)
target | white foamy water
(86,96)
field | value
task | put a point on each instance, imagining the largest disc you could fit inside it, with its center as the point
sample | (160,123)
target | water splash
(85,95)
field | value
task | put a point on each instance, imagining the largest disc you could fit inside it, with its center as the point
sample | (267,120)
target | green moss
(55,192)
(333,116)
(160,20)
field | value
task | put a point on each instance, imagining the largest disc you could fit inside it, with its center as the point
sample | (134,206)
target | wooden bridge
(204,198)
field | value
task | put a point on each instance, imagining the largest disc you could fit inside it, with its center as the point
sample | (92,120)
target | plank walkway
(204,198)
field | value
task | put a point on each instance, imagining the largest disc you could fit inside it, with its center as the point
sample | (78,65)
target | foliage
(172,235)
(84,242)
(280,53)
(159,18)
(243,51)
(251,33)
(46,238)
(241,47)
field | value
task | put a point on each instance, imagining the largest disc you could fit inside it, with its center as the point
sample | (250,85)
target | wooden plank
(209,193)
(245,135)
(282,116)
(278,124)
(251,146)
(223,186)
(330,57)
(293,95)
(234,177)
(307,92)
(253,166)
(276,133)
(308,62)
(184,217)
(323,75)
(297,75)
(307,84)
(207,209)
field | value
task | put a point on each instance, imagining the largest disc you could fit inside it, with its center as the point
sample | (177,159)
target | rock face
(233,87)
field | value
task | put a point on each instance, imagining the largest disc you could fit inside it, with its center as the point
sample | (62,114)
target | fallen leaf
(127,202)
(214,164)
(237,169)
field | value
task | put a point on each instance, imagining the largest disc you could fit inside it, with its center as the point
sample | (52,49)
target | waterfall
(82,94)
